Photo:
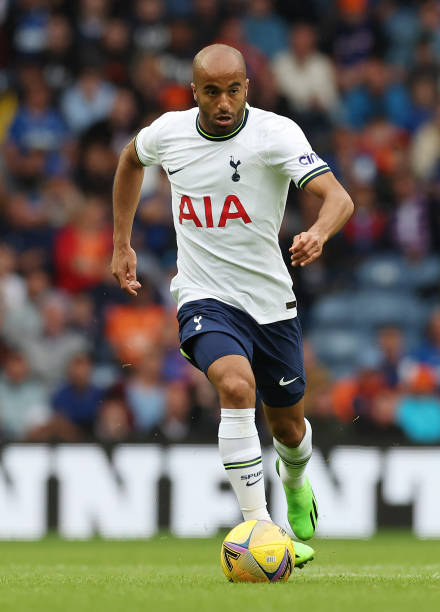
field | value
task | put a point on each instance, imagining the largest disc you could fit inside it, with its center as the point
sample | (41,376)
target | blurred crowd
(79,359)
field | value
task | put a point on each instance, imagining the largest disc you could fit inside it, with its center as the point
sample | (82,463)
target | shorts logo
(197,320)
(283,382)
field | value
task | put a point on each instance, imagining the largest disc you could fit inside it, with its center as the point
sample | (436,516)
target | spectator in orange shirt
(83,248)
(133,328)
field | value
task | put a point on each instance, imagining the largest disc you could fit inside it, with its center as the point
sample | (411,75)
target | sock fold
(237,423)
(294,460)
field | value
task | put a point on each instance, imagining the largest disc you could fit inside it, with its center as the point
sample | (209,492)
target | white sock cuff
(240,450)
(237,423)
(302,451)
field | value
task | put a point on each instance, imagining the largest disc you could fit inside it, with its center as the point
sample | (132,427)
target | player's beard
(219,130)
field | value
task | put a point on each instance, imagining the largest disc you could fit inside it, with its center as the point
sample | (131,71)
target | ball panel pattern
(257,551)
(241,533)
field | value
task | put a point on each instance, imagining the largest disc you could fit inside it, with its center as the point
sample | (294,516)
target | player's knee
(236,391)
(289,432)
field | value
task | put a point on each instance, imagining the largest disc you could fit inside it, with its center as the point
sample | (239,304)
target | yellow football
(257,551)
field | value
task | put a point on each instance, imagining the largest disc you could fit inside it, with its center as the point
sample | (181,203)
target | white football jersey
(228,197)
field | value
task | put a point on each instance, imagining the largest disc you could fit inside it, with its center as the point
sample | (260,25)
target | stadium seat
(343,370)
(392,272)
(333,310)
(339,348)
(424,274)
(373,309)
(386,272)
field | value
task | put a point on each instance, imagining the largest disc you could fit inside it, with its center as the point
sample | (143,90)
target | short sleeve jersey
(228,198)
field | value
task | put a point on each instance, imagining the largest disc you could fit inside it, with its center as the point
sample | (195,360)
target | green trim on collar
(202,132)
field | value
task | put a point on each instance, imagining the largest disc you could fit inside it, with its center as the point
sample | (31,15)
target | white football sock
(294,460)
(240,451)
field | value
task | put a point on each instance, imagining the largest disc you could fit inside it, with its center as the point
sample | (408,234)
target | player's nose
(223,104)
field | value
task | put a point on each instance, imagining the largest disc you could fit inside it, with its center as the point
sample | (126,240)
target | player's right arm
(288,150)
(126,192)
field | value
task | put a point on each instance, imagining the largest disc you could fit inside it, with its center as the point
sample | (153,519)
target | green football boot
(303,554)
(302,510)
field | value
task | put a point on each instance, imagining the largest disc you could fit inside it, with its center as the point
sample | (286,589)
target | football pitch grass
(392,571)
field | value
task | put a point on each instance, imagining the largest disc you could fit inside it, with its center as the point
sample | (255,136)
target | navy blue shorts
(209,329)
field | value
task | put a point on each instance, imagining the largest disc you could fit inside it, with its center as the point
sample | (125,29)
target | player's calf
(288,431)
(291,464)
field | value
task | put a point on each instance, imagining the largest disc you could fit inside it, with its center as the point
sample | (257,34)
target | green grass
(392,571)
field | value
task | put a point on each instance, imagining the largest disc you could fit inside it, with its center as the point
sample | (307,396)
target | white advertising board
(118,497)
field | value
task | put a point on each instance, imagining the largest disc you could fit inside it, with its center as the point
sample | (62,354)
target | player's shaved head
(220,88)
(217,60)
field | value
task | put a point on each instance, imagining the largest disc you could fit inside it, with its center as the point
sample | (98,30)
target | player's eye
(234,91)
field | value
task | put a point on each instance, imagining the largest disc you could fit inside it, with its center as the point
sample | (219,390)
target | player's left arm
(337,207)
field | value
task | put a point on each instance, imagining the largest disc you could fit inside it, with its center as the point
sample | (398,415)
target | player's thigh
(205,349)
(286,422)
(226,363)
(209,329)
(234,381)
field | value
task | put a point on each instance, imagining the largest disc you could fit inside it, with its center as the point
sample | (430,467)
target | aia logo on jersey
(308,158)
(235,177)
(187,211)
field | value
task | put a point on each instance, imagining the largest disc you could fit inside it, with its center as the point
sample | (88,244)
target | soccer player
(230,166)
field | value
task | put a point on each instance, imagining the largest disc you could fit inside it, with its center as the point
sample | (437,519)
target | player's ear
(193,87)
(246,85)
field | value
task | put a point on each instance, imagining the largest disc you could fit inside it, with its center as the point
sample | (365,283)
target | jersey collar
(238,129)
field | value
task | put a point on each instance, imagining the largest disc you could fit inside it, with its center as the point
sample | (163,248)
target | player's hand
(306,247)
(124,269)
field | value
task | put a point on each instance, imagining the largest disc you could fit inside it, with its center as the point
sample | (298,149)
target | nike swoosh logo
(249,484)
(170,172)
(283,382)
